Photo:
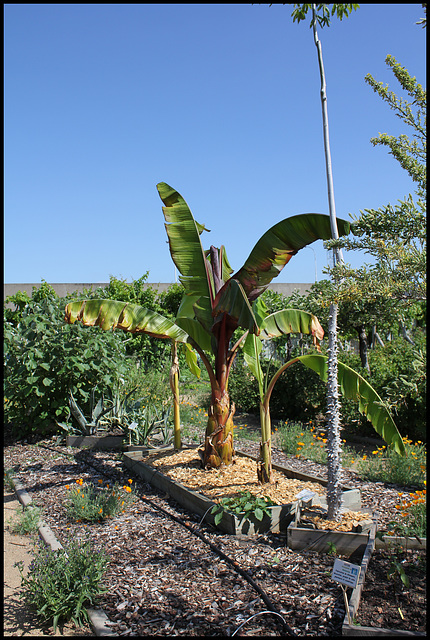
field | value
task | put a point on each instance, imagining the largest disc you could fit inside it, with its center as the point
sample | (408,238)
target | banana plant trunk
(218,445)
(264,463)
(174,385)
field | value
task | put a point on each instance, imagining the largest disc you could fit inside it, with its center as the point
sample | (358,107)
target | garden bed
(179,474)
(95,442)
(162,580)
(382,606)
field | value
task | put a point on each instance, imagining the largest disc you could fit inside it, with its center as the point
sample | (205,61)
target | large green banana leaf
(272,326)
(290,321)
(186,249)
(112,314)
(279,244)
(354,387)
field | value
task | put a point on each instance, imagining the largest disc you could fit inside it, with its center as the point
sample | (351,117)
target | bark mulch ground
(162,579)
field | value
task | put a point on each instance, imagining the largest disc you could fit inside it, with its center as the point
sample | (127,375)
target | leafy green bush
(398,374)
(244,504)
(45,358)
(243,388)
(385,465)
(60,584)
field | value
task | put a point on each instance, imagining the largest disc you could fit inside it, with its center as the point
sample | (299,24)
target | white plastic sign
(346,573)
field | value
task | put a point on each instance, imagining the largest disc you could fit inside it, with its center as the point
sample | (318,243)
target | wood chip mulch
(164,580)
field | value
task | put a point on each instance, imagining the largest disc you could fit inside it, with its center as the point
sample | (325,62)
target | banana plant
(282,322)
(352,386)
(216,303)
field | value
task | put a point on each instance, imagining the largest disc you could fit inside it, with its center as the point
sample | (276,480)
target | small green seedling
(244,504)
(396,568)
(331,548)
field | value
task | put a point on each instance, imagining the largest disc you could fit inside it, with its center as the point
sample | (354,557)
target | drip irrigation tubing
(233,563)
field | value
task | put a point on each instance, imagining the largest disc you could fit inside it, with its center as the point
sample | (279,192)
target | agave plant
(215,304)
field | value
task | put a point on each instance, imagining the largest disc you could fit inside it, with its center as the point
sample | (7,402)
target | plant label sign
(346,573)
(305,496)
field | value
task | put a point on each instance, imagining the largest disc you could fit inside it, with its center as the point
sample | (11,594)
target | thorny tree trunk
(333,417)
(334,468)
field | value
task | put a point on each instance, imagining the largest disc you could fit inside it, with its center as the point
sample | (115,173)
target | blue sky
(221,101)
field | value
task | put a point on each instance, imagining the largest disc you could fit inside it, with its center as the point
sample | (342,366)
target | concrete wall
(61,289)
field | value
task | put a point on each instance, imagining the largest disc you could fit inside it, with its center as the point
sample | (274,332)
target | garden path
(17,619)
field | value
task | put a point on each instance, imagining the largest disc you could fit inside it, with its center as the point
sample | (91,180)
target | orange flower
(130,481)
(67,486)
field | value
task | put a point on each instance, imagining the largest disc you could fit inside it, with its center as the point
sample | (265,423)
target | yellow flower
(130,481)
(128,489)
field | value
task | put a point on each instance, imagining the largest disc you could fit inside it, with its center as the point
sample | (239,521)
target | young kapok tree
(215,304)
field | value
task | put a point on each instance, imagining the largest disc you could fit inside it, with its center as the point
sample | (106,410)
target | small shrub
(27,521)
(87,503)
(60,584)
(244,504)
